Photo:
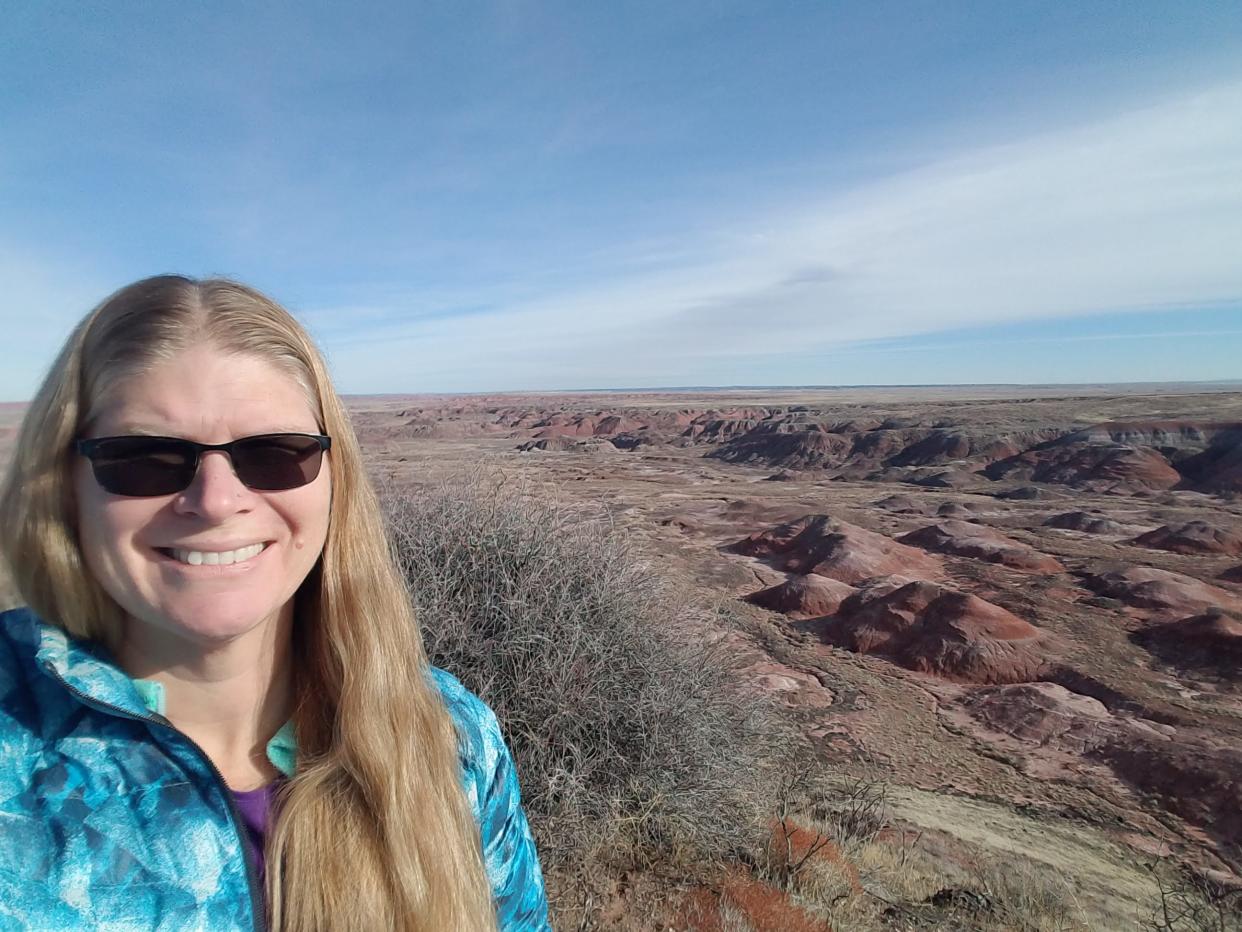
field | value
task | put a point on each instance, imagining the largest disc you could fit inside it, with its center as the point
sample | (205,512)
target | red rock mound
(1219,467)
(1211,640)
(904,505)
(882,614)
(963,510)
(782,475)
(1041,713)
(805,439)
(1102,466)
(782,444)
(1086,522)
(946,479)
(1215,629)
(1191,537)
(827,547)
(933,629)
(1147,587)
(601,424)
(1028,493)
(964,539)
(565,425)
(803,596)
(568,444)
(1199,782)
(945,446)
(1130,456)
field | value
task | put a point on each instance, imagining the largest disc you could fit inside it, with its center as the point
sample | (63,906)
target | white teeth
(220,558)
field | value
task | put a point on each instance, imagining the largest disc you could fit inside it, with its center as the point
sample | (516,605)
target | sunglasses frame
(90,448)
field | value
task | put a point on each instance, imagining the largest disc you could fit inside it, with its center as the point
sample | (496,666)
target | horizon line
(1222,385)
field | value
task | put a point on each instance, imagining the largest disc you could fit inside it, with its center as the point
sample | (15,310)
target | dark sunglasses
(145,466)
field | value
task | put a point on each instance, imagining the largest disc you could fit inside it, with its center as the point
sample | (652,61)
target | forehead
(208,395)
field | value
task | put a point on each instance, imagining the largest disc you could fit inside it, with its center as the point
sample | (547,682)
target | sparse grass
(899,883)
(633,744)
(1029,897)
(838,854)
(732,919)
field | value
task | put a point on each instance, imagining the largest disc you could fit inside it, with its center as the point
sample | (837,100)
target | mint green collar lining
(152,693)
(282,750)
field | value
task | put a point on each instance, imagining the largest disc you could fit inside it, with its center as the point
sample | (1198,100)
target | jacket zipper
(257,907)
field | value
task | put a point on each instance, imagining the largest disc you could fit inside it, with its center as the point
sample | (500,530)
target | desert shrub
(631,740)
(1191,901)
(821,819)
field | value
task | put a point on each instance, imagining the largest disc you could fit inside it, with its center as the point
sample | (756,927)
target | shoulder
(480,742)
(19,709)
(18,630)
(18,642)
(491,782)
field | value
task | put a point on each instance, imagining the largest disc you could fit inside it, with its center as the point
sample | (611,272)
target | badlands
(1019,608)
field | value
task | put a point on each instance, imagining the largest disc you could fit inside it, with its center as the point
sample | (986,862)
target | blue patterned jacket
(111,819)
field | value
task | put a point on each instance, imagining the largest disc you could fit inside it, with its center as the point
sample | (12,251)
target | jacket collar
(88,668)
(281,750)
(84,666)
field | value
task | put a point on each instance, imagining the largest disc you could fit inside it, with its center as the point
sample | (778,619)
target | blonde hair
(375,830)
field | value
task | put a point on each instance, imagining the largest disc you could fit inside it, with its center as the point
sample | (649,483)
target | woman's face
(130,544)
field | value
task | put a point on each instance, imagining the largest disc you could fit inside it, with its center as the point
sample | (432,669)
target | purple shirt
(255,807)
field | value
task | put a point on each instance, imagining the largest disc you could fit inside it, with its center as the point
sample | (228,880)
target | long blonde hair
(374,831)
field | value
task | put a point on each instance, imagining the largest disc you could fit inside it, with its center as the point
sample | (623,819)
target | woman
(216,712)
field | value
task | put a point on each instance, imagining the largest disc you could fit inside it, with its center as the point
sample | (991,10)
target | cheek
(304,513)
(105,528)
(317,509)
(94,532)
(314,527)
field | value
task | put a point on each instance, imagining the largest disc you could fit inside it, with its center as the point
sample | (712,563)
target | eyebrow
(143,430)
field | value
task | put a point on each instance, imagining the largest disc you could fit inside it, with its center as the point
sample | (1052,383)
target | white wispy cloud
(940,346)
(1138,211)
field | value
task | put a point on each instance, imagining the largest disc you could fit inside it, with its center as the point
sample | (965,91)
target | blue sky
(521,196)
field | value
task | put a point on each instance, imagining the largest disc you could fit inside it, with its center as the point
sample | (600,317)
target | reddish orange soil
(766,908)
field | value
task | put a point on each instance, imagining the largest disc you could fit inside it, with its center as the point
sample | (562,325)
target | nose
(216,493)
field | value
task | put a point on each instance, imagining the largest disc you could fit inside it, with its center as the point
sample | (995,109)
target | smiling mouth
(213,557)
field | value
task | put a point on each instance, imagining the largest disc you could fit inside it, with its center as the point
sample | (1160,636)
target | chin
(214,621)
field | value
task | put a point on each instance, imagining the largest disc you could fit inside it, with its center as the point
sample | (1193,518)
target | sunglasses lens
(278,462)
(148,466)
(143,466)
